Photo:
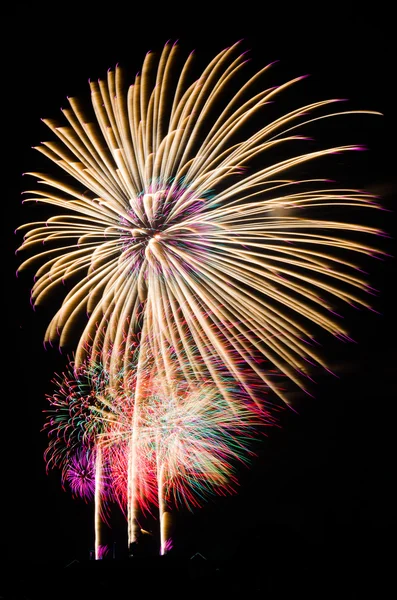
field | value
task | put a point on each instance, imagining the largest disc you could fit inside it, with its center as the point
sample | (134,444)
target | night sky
(323,482)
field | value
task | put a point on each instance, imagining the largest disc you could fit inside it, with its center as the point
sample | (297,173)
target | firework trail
(186,259)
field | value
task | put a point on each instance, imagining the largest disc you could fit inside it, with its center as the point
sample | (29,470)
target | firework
(73,427)
(198,272)
(181,442)
(169,219)
(188,440)
(71,421)
(187,444)
(80,473)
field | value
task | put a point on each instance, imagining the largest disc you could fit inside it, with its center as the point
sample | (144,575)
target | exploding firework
(73,425)
(181,442)
(80,473)
(198,272)
(188,443)
(71,421)
(169,220)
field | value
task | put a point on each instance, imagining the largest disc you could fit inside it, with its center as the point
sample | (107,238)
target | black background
(323,484)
